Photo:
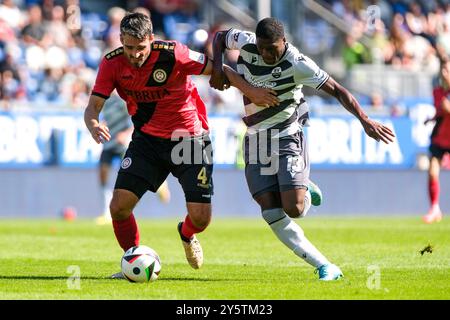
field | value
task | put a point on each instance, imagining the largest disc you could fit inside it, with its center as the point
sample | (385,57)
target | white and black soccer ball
(141,264)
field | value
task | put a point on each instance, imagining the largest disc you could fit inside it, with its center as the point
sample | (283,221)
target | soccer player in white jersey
(267,60)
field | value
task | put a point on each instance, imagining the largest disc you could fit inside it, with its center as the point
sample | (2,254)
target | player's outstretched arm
(259,96)
(99,132)
(372,128)
(218,79)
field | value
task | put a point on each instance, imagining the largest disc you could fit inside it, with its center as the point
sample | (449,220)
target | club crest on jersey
(126,163)
(276,72)
(159,75)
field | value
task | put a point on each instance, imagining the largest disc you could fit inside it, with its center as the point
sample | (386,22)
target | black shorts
(149,160)
(107,156)
(437,151)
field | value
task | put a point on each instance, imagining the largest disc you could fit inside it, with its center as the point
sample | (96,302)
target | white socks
(307,204)
(293,236)
(107,196)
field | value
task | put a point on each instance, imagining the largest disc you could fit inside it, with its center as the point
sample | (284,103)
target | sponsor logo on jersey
(159,75)
(276,72)
(261,84)
(254,59)
(236,36)
(126,163)
(147,95)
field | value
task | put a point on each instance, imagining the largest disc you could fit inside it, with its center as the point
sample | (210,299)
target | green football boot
(316,194)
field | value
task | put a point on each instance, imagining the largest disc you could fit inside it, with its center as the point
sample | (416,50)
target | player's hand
(378,131)
(100,133)
(264,97)
(219,80)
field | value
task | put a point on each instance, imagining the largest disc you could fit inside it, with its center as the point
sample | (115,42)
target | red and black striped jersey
(160,95)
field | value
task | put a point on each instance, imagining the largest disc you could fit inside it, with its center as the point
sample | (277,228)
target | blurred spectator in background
(398,109)
(57,28)
(112,35)
(10,88)
(47,8)
(381,49)
(12,14)
(417,22)
(398,35)
(386,10)
(159,9)
(443,39)
(79,93)
(181,24)
(377,103)
(50,86)
(399,6)
(354,52)
(143,10)
(34,31)
(7,34)
(345,10)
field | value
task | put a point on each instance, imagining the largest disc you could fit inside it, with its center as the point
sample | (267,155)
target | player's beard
(137,62)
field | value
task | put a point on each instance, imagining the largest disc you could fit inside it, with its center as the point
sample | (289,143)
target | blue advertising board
(36,139)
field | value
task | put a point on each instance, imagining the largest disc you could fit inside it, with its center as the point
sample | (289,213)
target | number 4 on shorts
(202,176)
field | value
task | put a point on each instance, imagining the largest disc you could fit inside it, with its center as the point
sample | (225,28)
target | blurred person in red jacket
(440,141)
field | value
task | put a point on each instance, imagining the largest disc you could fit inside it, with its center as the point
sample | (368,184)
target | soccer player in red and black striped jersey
(153,77)
(440,140)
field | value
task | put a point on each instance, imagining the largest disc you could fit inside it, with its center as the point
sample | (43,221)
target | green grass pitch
(380,258)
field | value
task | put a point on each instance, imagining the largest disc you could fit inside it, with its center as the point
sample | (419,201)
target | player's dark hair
(137,25)
(270,29)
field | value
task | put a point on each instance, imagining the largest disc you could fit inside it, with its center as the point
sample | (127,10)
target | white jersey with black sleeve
(286,77)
